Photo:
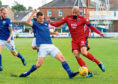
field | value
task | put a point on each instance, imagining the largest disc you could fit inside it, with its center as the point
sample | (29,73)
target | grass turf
(51,72)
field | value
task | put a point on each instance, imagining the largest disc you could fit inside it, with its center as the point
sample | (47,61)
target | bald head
(75,8)
(75,11)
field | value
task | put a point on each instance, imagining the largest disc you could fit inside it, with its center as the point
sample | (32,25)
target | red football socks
(81,63)
(91,57)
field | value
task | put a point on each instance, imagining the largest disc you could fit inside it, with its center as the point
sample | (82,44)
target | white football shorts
(9,46)
(34,42)
(46,49)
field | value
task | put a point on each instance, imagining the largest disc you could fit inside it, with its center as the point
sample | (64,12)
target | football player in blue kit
(6,36)
(43,40)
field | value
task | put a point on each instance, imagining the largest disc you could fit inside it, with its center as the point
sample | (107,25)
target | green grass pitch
(51,72)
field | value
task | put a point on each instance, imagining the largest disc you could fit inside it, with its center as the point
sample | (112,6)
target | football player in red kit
(76,25)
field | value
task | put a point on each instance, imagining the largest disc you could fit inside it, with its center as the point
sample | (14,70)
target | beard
(74,17)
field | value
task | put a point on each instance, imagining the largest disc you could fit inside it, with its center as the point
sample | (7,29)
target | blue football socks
(0,60)
(22,58)
(1,63)
(66,67)
(33,68)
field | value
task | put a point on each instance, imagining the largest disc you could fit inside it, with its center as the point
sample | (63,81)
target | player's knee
(76,54)
(84,53)
(62,59)
(38,64)
(33,48)
(37,47)
(15,53)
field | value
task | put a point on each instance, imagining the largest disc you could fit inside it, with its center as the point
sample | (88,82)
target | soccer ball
(83,71)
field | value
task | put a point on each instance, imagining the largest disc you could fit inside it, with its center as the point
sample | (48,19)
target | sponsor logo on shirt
(74,26)
(70,19)
(46,24)
(82,43)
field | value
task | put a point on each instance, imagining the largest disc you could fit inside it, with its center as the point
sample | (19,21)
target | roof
(67,3)
(59,3)
(92,4)
(20,15)
(5,6)
(82,3)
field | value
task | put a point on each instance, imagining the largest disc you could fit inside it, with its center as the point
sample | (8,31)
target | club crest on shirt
(46,24)
(4,22)
(78,19)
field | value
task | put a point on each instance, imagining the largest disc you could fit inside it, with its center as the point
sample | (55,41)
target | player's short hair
(75,7)
(39,14)
(1,9)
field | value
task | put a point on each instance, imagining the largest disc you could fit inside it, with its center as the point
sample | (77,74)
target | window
(60,12)
(115,13)
(17,15)
(49,13)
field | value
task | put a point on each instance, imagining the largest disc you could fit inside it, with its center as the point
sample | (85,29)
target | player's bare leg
(79,59)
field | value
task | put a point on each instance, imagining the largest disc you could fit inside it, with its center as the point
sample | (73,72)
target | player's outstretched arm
(59,23)
(29,22)
(55,33)
(11,31)
(93,28)
(11,34)
(96,30)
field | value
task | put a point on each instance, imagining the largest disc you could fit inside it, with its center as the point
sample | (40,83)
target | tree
(0,2)
(30,8)
(18,7)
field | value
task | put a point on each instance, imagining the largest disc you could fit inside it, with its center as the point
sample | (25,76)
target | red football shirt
(76,26)
(86,31)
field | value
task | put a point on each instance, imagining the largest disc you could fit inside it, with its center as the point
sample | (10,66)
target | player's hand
(31,31)
(48,19)
(34,11)
(56,33)
(9,40)
(37,47)
(102,34)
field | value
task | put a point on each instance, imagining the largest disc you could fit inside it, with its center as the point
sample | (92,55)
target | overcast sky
(26,3)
